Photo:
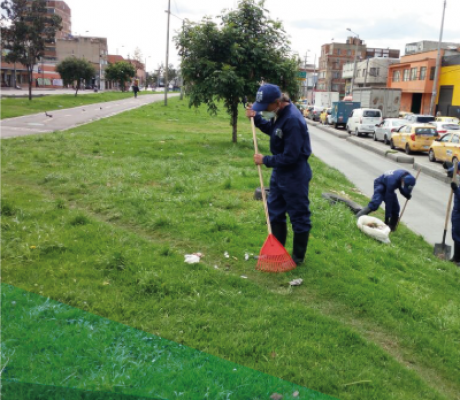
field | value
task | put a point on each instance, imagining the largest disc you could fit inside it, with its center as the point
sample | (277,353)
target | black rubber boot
(280,232)
(300,247)
(456,257)
(393,224)
(365,211)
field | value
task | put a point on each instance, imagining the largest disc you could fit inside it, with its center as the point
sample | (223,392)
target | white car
(363,121)
(445,127)
(383,131)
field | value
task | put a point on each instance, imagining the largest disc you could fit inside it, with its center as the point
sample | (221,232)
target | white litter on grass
(216,267)
(226,255)
(296,282)
(193,258)
(244,277)
(246,256)
(375,228)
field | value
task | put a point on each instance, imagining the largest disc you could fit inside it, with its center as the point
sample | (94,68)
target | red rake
(273,256)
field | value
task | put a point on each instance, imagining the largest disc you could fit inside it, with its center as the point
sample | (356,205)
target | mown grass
(100,217)
(17,107)
(121,358)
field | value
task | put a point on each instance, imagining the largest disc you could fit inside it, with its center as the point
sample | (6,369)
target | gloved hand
(454,186)
(409,196)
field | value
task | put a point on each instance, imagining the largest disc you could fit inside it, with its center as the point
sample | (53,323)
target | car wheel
(348,130)
(392,145)
(408,150)
(375,137)
(431,156)
(385,140)
(357,132)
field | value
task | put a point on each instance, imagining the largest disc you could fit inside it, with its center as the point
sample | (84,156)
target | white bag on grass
(375,228)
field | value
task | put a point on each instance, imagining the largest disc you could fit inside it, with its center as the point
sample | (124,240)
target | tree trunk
(30,71)
(78,87)
(235,121)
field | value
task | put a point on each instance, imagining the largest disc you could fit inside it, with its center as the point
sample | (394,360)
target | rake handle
(264,196)
(407,200)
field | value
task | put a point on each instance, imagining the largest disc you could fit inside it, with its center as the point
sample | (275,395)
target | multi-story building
(333,57)
(92,49)
(371,72)
(414,75)
(427,45)
(448,102)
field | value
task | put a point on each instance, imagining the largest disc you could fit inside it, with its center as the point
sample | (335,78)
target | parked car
(452,120)
(445,127)
(446,148)
(363,120)
(412,138)
(404,114)
(383,131)
(419,119)
(314,113)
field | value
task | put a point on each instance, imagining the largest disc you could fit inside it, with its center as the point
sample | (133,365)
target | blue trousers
(380,195)
(289,195)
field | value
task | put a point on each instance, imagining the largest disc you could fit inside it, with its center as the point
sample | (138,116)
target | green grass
(122,358)
(17,107)
(100,217)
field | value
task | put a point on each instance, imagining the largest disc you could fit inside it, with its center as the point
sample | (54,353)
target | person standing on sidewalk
(135,88)
(290,180)
(385,187)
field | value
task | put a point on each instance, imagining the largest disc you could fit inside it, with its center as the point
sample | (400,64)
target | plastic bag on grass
(375,228)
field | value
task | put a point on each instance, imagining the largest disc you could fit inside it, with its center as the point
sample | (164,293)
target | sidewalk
(69,118)
(418,161)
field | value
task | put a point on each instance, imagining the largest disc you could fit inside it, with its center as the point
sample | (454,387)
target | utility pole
(182,88)
(167,55)
(314,81)
(367,71)
(357,41)
(438,64)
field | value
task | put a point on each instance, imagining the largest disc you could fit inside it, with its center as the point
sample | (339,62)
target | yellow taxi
(412,138)
(448,120)
(446,148)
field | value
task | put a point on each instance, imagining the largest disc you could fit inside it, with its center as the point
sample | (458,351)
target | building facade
(427,45)
(448,101)
(92,49)
(414,75)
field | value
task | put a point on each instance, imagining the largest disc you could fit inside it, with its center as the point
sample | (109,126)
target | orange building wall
(406,102)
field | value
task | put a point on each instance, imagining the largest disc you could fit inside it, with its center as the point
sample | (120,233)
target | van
(363,121)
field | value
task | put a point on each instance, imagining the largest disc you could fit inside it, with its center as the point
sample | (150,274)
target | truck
(340,112)
(325,99)
(386,100)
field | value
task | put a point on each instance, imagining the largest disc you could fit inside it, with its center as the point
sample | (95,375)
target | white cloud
(392,23)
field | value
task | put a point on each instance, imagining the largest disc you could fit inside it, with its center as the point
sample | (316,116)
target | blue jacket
(289,139)
(456,217)
(392,181)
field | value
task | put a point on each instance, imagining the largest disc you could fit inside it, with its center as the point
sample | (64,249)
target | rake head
(274,257)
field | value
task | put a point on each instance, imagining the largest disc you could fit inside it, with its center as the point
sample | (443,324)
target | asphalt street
(69,118)
(425,213)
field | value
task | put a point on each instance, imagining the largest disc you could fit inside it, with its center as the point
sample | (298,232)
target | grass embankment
(17,107)
(100,217)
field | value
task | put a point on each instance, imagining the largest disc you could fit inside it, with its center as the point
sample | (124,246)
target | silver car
(383,131)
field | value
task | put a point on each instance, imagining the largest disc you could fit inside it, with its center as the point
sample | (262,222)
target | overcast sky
(387,23)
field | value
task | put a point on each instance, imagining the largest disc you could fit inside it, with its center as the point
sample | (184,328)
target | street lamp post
(167,55)
(354,61)
(438,64)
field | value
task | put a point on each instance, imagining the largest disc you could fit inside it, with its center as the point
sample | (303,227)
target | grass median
(101,216)
(17,107)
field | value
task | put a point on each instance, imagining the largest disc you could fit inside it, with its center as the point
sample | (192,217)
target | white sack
(375,228)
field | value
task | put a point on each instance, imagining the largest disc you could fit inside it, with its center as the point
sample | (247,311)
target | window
(348,52)
(339,52)
(336,75)
(422,73)
(413,74)
(432,70)
(455,139)
(406,75)
(396,76)
(372,114)
(446,138)
(335,88)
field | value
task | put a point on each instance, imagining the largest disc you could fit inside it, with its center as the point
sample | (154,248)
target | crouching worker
(384,191)
(290,179)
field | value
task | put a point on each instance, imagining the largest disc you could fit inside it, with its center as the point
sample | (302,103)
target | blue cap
(266,95)
(409,182)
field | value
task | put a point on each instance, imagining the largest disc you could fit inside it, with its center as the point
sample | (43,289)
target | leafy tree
(229,61)
(120,72)
(172,75)
(75,69)
(26,30)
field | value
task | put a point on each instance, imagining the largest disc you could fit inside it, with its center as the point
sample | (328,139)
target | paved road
(71,117)
(425,213)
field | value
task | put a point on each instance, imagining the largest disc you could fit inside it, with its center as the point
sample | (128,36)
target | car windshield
(425,119)
(426,131)
(371,113)
(397,122)
(451,127)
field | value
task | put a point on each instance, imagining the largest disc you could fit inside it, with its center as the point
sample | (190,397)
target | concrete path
(425,213)
(71,117)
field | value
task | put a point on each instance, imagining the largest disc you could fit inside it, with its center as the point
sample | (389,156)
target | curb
(399,158)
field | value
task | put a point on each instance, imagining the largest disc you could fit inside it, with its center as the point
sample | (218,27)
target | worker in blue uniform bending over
(384,191)
(276,116)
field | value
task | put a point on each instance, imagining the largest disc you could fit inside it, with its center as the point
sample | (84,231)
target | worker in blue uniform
(276,116)
(456,223)
(385,187)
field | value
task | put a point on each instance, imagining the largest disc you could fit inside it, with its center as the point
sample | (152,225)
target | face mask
(268,114)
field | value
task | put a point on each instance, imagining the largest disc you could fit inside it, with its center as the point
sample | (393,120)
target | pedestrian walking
(323,117)
(135,88)
(244,101)
(276,116)
(385,187)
